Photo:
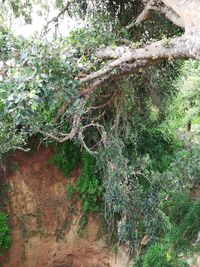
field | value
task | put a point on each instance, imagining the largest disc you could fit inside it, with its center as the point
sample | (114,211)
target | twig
(56,18)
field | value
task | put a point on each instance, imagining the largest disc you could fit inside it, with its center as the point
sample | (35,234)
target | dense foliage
(128,136)
(66,157)
(162,256)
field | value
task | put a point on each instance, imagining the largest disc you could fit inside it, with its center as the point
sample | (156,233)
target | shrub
(185,218)
(176,239)
(177,206)
(191,222)
(5,238)
(159,255)
(66,157)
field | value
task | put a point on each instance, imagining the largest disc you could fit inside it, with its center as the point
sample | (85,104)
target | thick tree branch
(123,70)
(187,10)
(133,59)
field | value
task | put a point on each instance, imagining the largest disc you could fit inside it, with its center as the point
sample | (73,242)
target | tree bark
(128,60)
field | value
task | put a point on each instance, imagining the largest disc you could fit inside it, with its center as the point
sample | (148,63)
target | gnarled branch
(126,60)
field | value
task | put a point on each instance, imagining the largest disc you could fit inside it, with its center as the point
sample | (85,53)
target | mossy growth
(5,237)
(88,185)
(66,157)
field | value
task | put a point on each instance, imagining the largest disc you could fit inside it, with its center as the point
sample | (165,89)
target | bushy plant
(159,145)
(177,206)
(66,157)
(159,255)
(176,239)
(184,215)
(184,172)
(191,222)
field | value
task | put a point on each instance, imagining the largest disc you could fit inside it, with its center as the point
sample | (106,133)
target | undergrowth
(160,255)
(184,216)
(182,210)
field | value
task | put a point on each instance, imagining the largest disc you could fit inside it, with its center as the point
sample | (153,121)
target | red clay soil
(45,225)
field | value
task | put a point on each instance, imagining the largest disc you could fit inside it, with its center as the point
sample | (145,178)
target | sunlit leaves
(42,76)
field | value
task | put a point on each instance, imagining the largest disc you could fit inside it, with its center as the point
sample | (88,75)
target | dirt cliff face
(46,226)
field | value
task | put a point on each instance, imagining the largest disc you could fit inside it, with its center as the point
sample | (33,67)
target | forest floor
(46,228)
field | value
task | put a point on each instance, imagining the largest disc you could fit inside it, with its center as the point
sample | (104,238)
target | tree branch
(143,16)
(123,70)
(75,125)
(56,18)
(134,59)
(169,14)
(159,7)
(126,61)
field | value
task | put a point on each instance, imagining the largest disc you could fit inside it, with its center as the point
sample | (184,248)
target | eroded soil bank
(45,225)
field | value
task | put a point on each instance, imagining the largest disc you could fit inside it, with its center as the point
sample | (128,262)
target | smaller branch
(105,96)
(159,7)
(102,132)
(61,111)
(75,126)
(169,14)
(123,71)
(100,127)
(122,41)
(81,139)
(50,135)
(142,17)
(106,104)
(93,125)
(23,149)
(56,18)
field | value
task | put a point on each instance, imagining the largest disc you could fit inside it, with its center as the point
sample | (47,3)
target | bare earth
(45,225)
